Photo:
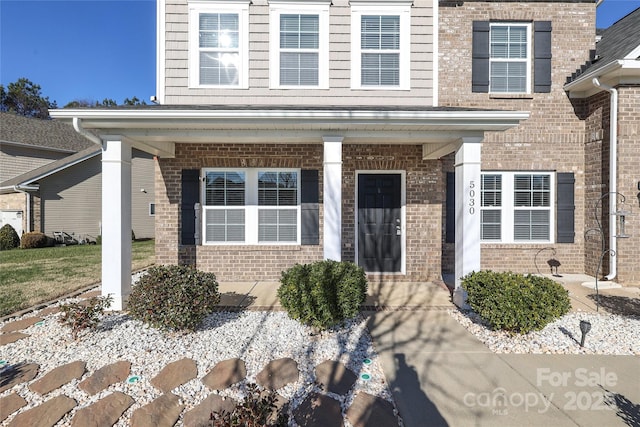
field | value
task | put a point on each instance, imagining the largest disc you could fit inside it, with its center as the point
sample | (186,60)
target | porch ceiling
(156,130)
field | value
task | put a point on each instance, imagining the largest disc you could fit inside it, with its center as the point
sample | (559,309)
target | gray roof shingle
(41,133)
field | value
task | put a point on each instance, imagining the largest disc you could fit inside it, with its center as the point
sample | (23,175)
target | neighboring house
(65,194)
(613,126)
(411,137)
(26,144)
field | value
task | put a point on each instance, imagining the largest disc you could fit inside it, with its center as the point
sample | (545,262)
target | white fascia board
(37,147)
(622,71)
(60,168)
(634,54)
(585,79)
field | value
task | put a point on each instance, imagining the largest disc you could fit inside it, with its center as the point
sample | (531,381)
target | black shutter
(309,198)
(190,196)
(480,57)
(542,56)
(565,208)
(450,222)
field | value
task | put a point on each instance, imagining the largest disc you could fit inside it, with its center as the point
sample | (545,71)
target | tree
(107,102)
(25,98)
(133,101)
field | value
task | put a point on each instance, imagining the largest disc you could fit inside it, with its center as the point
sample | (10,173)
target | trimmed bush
(34,239)
(515,302)
(9,239)
(174,297)
(84,315)
(323,294)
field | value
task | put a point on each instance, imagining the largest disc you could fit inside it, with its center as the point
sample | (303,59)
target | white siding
(177,91)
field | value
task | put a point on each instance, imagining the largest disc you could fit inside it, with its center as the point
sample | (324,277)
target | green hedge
(323,294)
(9,239)
(515,302)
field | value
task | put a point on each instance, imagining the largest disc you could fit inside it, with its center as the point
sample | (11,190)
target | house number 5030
(472,197)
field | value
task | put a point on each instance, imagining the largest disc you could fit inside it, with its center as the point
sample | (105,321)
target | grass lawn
(31,276)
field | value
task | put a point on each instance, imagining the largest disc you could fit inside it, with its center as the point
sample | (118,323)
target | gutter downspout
(25,190)
(77,125)
(613,175)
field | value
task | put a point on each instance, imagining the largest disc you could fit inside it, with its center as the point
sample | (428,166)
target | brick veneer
(552,139)
(597,178)
(424,195)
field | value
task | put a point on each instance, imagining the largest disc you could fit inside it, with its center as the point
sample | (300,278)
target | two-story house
(412,137)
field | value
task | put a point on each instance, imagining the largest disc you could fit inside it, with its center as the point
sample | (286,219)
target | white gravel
(255,337)
(609,334)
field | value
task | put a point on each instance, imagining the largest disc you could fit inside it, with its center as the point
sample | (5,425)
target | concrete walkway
(441,375)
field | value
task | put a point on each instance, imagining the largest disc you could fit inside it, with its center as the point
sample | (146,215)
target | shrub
(174,297)
(8,238)
(84,315)
(515,302)
(33,239)
(324,293)
(258,409)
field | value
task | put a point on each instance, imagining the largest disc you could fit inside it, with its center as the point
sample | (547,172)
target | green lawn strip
(31,276)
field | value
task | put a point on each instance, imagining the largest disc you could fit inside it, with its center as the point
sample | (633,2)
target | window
(381,36)
(299,38)
(510,58)
(516,207)
(251,206)
(152,209)
(218,44)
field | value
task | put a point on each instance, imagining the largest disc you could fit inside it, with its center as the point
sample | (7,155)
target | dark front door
(379,226)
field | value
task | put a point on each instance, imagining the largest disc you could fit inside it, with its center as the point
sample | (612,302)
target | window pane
(380,69)
(224,189)
(380,32)
(277,225)
(224,225)
(531,225)
(508,76)
(218,68)
(532,190)
(491,190)
(277,189)
(299,69)
(491,224)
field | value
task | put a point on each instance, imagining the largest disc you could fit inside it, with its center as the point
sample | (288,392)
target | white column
(467,167)
(332,197)
(116,220)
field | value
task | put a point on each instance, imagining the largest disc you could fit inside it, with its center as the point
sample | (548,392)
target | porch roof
(156,129)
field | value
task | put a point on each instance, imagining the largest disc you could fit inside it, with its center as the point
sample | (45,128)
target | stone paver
(335,377)
(105,376)
(162,412)
(278,373)
(10,337)
(59,376)
(104,413)
(371,411)
(175,374)
(200,415)
(318,410)
(18,325)
(10,404)
(46,414)
(225,374)
(17,374)
(49,310)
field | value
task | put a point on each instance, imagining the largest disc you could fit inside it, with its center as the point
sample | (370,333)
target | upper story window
(510,58)
(299,39)
(516,207)
(380,41)
(218,44)
(251,206)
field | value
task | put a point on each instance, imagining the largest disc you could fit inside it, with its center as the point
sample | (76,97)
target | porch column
(467,167)
(116,220)
(332,197)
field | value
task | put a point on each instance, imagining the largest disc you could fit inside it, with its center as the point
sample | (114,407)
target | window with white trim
(251,206)
(299,40)
(218,44)
(380,41)
(510,57)
(516,207)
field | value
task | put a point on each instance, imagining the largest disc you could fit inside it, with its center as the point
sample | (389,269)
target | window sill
(510,96)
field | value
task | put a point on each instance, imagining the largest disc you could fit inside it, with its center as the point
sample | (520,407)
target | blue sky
(96,49)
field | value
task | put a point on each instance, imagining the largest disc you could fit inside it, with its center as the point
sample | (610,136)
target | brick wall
(552,139)
(424,196)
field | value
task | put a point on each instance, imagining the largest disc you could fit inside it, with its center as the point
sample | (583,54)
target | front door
(379,222)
